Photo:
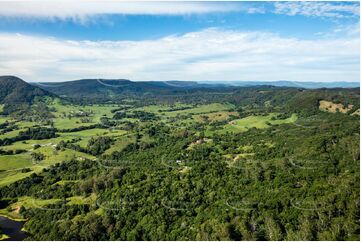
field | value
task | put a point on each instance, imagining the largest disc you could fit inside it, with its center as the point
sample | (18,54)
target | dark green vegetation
(15,90)
(17,95)
(91,90)
(220,163)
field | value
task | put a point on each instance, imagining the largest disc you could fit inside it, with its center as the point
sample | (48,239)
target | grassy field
(120,144)
(11,134)
(12,211)
(215,116)
(259,122)
(29,144)
(11,166)
(86,135)
(3,119)
(11,162)
(76,200)
(161,110)
(62,113)
(201,109)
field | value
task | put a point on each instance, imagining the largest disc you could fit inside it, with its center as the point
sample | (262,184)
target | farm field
(259,122)
(70,116)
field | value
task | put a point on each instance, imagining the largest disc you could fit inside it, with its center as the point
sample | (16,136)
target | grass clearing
(12,211)
(9,177)
(163,108)
(66,115)
(52,156)
(10,162)
(331,107)
(86,135)
(208,108)
(3,119)
(259,122)
(120,144)
(11,134)
(215,116)
(78,200)
(200,109)
(12,165)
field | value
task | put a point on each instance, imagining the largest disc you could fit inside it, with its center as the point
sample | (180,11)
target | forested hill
(110,87)
(15,90)
(18,98)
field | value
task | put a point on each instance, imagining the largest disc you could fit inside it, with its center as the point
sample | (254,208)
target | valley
(180,163)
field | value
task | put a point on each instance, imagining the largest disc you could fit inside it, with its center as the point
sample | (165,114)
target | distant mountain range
(14,90)
(97,87)
(308,85)
(175,84)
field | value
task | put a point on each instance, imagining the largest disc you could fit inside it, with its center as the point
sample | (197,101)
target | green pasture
(53,156)
(77,200)
(120,144)
(259,122)
(61,120)
(11,165)
(11,134)
(11,162)
(29,144)
(3,119)
(206,108)
(12,211)
(86,135)
(12,176)
(215,116)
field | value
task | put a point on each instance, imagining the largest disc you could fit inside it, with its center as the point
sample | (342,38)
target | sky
(49,41)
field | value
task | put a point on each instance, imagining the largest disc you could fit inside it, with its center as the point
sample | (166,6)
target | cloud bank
(211,54)
(81,10)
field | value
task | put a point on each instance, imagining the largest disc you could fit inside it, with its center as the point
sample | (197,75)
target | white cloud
(80,10)
(318,9)
(206,55)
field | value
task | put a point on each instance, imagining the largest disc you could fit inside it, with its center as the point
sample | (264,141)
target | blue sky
(301,41)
